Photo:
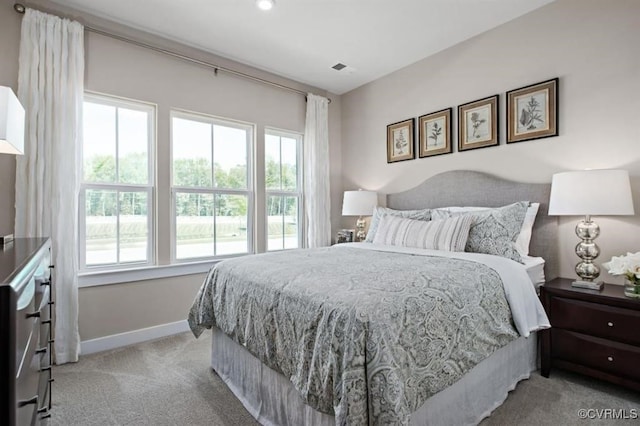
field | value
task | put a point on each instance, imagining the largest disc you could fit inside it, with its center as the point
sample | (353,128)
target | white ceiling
(303,39)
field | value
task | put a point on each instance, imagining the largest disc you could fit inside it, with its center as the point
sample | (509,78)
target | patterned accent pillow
(448,234)
(495,231)
(379,212)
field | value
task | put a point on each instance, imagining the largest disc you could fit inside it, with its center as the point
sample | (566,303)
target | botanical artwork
(478,124)
(435,136)
(435,133)
(532,112)
(400,141)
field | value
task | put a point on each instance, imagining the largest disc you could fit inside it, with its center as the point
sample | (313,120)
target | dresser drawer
(600,320)
(604,355)
(26,308)
(27,380)
(43,387)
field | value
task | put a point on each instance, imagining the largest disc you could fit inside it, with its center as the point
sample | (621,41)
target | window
(211,187)
(283,189)
(116,193)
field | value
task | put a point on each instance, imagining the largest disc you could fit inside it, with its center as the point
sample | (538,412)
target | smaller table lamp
(11,123)
(590,192)
(359,203)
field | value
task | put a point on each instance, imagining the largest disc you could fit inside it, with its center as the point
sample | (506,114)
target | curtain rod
(20,8)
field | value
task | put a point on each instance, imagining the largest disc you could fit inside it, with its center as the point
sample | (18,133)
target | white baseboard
(132,337)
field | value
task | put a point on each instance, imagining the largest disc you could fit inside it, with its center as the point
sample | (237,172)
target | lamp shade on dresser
(25,331)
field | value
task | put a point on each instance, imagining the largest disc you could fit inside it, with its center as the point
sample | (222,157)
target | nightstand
(596,333)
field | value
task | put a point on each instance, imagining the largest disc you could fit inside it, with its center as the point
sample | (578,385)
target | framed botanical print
(478,124)
(532,112)
(400,141)
(435,133)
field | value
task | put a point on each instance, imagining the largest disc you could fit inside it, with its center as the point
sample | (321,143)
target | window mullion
(117,135)
(215,227)
(282,216)
(117,226)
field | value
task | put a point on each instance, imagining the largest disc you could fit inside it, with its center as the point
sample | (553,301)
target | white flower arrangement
(629,266)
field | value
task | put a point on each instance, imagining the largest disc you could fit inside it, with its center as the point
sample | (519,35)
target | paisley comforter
(364,332)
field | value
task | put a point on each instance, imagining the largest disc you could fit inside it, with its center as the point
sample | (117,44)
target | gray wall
(591,45)
(121,69)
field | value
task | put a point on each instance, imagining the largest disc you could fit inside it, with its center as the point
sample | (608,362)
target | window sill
(92,279)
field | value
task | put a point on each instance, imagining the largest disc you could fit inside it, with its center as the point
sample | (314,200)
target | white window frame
(249,192)
(149,188)
(299,193)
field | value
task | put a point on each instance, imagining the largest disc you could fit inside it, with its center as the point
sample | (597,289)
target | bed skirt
(272,400)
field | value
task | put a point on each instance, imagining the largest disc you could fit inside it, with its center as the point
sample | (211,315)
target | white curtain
(51,88)
(316,172)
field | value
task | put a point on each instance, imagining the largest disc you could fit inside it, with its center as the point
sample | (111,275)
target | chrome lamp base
(587,250)
(591,285)
(360,225)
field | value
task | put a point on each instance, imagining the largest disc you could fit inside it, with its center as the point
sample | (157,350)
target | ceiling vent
(339,66)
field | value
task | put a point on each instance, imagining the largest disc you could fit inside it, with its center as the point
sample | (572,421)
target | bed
(363,362)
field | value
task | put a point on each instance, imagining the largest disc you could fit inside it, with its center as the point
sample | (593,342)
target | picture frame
(434,130)
(345,236)
(400,141)
(532,111)
(478,124)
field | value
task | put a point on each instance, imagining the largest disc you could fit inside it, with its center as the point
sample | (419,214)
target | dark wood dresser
(596,333)
(25,331)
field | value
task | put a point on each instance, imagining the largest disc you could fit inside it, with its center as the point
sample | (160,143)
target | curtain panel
(51,89)
(316,172)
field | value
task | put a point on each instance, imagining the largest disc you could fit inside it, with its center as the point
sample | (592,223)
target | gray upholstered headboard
(469,188)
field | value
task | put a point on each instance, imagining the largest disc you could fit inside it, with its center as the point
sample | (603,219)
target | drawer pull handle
(46,416)
(51,380)
(42,410)
(43,283)
(610,324)
(52,266)
(41,350)
(51,303)
(34,315)
(24,402)
(45,322)
(45,369)
(610,358)
(51,341)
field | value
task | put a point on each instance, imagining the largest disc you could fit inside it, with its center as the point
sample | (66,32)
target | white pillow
(379,212)
(448,234)
(524,238)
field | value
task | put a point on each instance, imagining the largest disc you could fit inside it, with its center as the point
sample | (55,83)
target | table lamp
(590,192)
(359,203)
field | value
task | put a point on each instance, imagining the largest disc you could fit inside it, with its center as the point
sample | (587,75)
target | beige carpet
(169,382)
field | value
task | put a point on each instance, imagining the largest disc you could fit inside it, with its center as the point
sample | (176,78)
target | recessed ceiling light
(265,4)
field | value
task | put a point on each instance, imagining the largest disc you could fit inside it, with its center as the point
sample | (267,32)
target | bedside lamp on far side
(359,203)
(590,192)
(11,123)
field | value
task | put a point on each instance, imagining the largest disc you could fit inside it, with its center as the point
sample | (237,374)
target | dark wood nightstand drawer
(604,321)
(604,355)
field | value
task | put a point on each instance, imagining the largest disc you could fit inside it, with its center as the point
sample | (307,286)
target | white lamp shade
(359,203)
(591,192)
(11,123)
